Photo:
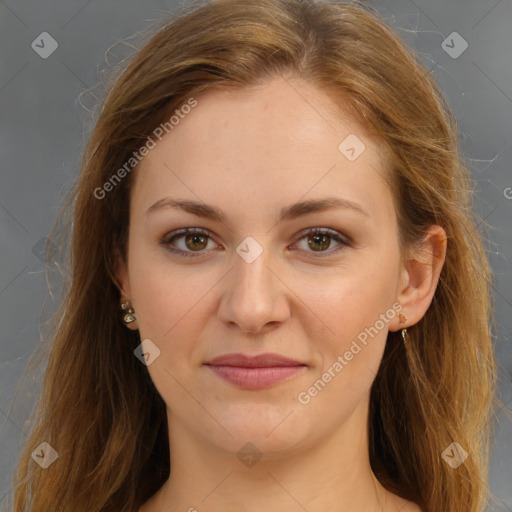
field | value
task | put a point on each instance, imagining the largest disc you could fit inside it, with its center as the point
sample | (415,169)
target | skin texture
(251,152)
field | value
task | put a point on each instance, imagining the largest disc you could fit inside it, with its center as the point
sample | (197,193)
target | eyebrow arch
(288,213)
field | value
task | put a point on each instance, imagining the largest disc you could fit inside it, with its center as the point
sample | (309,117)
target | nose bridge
(253,297)
(251,273)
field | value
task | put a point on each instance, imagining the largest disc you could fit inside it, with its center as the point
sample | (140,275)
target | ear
(123,282)
(420,276)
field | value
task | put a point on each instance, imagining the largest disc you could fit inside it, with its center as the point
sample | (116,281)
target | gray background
(47,110)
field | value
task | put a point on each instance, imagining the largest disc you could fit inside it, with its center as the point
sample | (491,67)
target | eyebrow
(288,213)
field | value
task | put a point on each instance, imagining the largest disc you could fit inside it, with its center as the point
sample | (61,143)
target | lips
(259,361)
(255,372)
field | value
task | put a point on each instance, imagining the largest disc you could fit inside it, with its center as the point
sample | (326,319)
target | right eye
(194,240)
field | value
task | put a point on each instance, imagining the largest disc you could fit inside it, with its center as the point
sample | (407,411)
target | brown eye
(195,242)
(319,240)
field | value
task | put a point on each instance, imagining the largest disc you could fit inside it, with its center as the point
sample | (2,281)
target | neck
(333,474)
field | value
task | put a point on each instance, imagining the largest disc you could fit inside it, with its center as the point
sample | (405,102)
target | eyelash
(331,233)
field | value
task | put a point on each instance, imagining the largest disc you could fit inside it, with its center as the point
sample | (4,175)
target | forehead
(278,141)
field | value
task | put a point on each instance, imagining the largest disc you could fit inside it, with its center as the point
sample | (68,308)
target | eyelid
(333,233)
(342,239)
(178,233)
(185,231)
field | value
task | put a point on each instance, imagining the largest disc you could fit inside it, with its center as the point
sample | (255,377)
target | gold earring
(403,319)
(129,316)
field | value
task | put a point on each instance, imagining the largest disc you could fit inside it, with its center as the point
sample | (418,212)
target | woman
(278,299)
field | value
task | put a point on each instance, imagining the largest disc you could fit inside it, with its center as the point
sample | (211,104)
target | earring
(129,316)
(403,319)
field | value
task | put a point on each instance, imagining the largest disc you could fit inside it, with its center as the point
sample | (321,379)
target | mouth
(255,372)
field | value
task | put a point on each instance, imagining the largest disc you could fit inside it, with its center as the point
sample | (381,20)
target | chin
(270,432)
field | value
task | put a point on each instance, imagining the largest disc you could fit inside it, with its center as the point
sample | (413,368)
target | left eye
(196,240)
(320,239)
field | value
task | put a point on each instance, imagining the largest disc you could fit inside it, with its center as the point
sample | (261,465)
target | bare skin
(251,153)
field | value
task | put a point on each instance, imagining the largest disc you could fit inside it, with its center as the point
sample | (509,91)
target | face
(314,285)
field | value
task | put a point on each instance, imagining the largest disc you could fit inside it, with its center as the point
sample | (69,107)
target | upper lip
(259,361)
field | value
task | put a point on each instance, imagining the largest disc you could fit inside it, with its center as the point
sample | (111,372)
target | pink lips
(254,372)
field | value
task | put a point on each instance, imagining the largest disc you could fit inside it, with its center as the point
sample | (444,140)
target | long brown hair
(99,408)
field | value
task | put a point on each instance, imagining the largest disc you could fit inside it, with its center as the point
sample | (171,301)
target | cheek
(165,294)
(170,311)
(350,359)
(356,298)
(356,315)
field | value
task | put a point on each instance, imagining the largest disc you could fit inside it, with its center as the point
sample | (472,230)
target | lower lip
(255,378)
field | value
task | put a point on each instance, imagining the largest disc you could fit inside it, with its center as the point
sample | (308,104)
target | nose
(255,297)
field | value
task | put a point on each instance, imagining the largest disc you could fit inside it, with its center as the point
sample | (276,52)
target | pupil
(195,239)
(318,240)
